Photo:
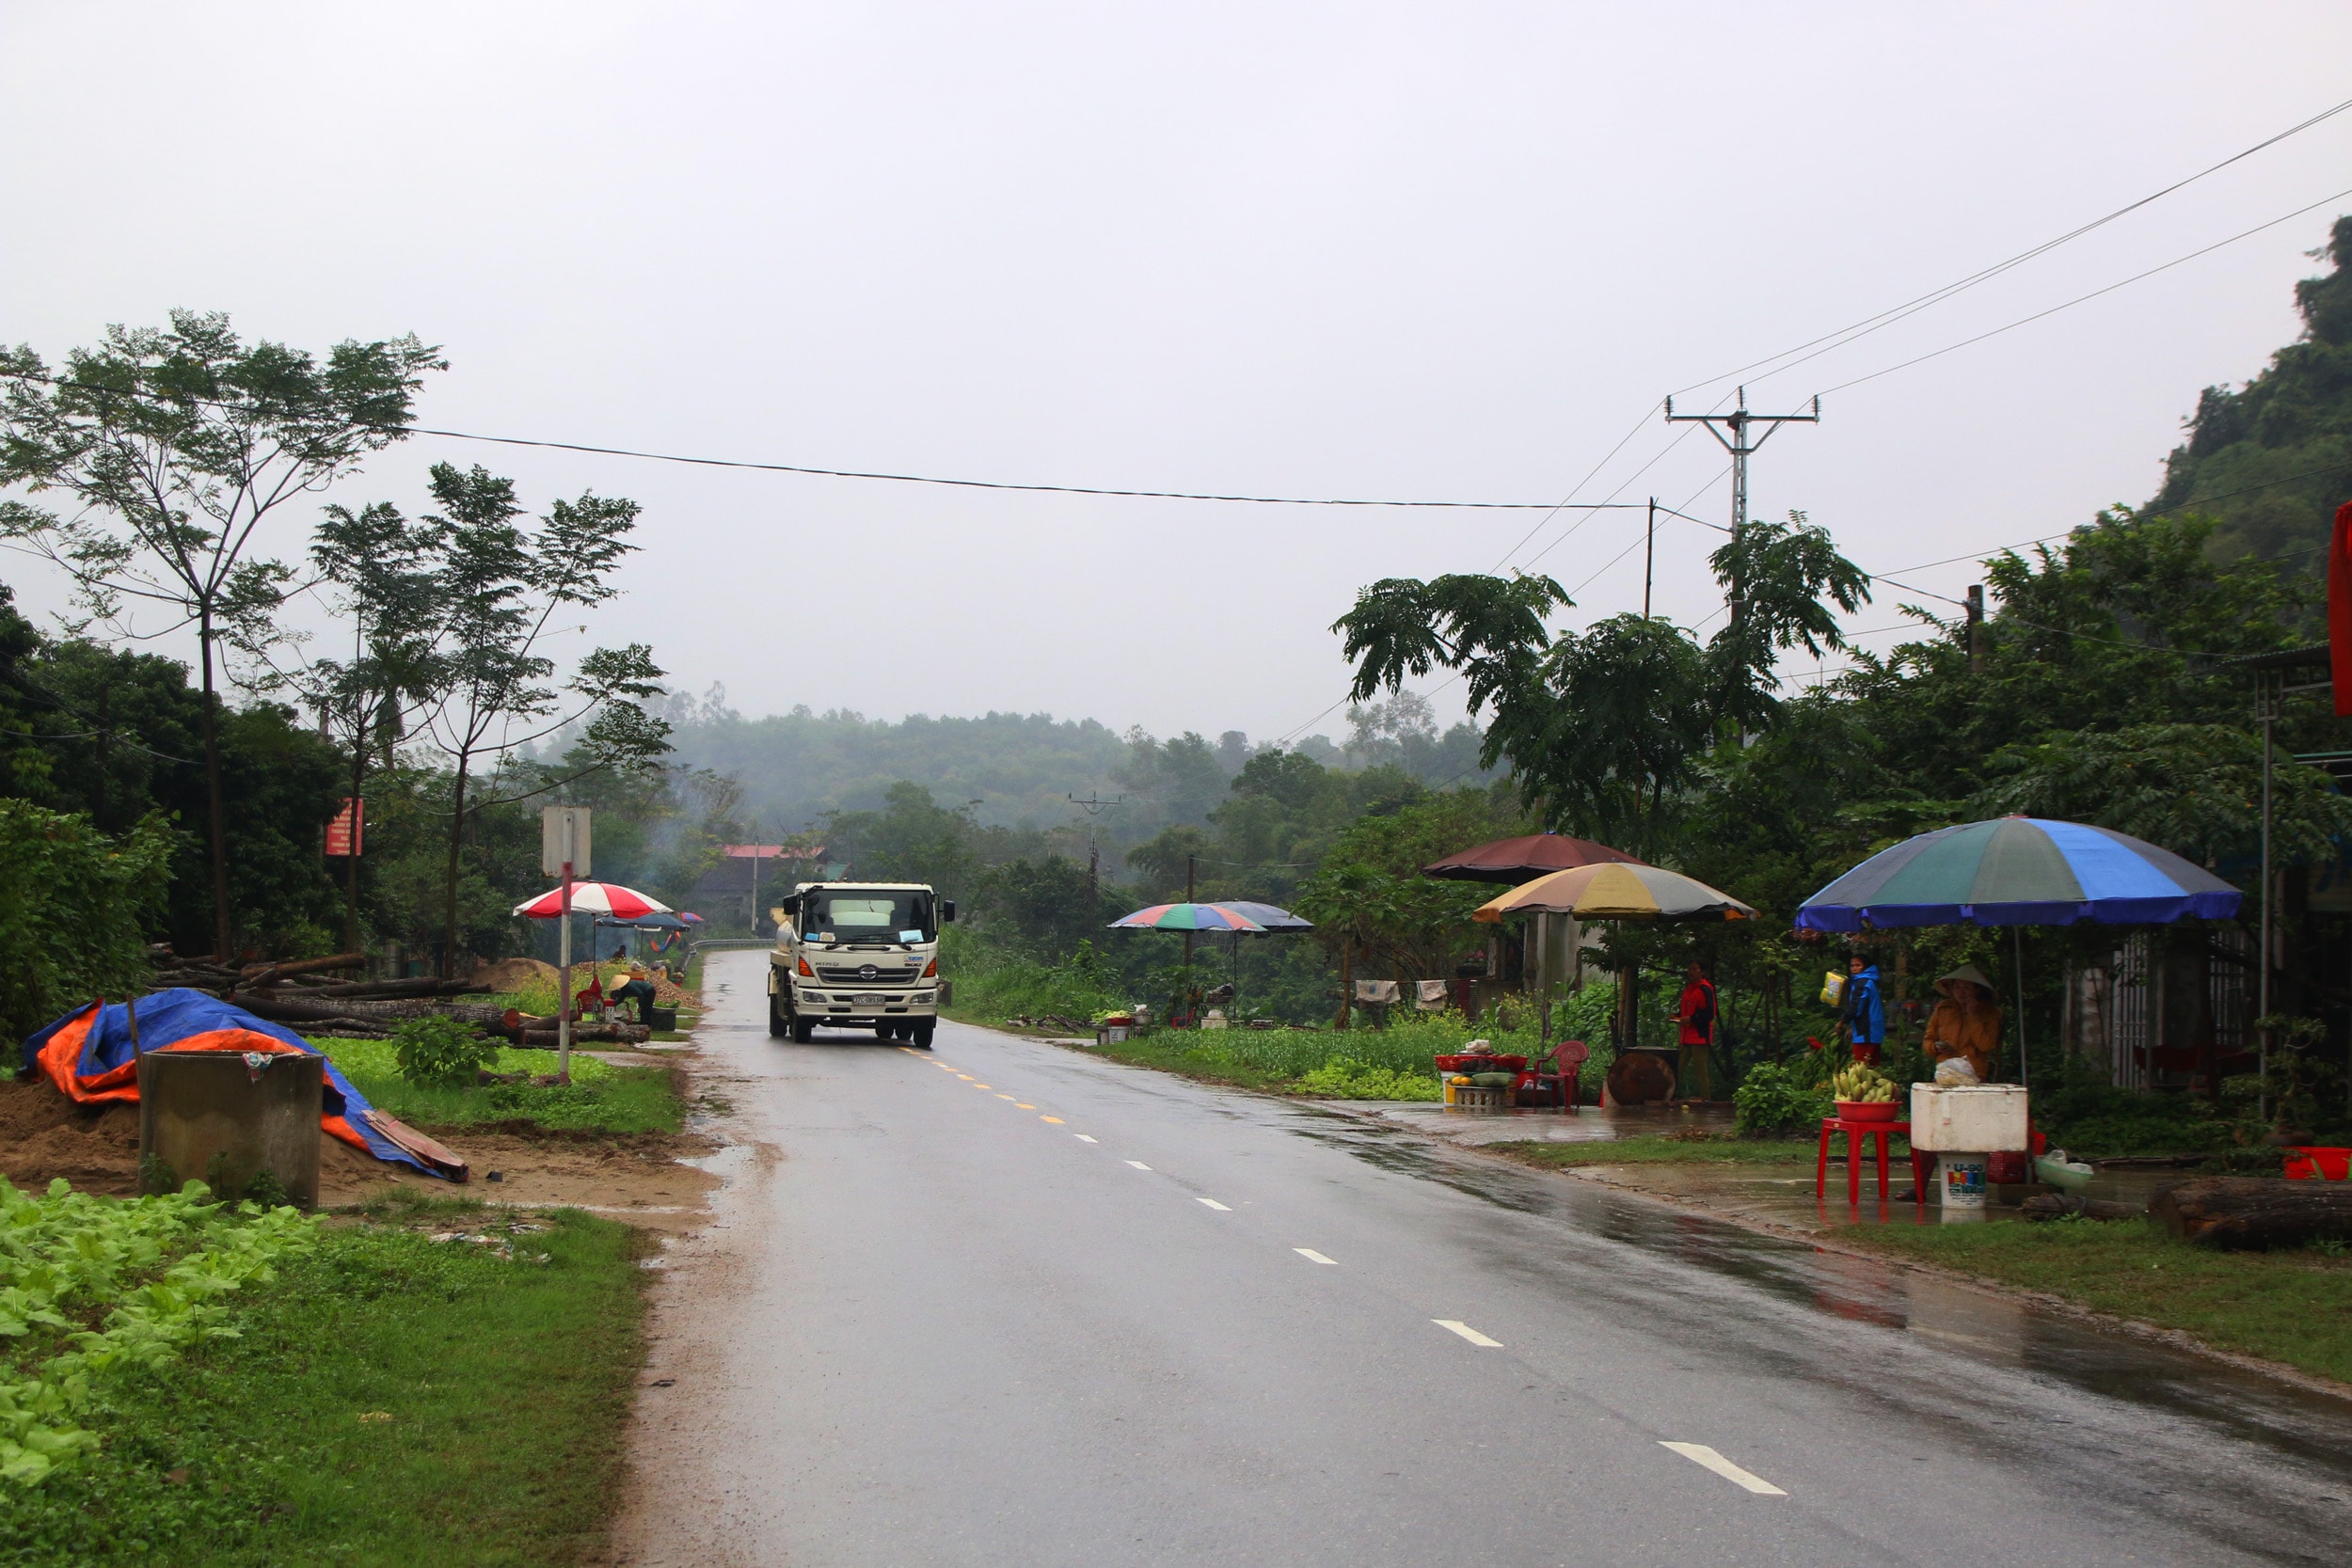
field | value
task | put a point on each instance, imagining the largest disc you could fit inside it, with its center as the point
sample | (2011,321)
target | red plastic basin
(2319,1164)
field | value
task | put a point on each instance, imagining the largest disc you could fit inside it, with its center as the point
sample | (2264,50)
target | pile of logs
(299,993)
(1068,1025)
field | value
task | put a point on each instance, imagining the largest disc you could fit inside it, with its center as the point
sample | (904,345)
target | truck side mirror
(791,904)
(946,912)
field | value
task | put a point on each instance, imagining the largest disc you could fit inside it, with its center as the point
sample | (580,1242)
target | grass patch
(505,1381)
(1394,1062)
(1658,1149)
(2292,1306)
(600,1098)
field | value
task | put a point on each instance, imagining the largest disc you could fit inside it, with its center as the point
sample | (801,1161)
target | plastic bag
(1832,988)
(1955,1072)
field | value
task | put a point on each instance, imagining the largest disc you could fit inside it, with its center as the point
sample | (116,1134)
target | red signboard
(349,827)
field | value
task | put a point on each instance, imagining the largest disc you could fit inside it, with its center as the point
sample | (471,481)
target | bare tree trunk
(351,861)
(214,816)
(1347,983)
(456,833)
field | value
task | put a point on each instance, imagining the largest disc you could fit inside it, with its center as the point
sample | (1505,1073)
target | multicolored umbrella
(2019,871)
(1616,891)
(1273,919)
(1518,860)
(1186,917)
(594,898)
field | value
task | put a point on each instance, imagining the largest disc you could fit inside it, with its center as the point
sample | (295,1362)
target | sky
(1447,252)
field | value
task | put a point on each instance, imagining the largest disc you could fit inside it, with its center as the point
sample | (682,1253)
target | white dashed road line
(1314,1256)
(1139,1165)
(1213,1203)
(1699,1453)
(1474,1337)
(1083,1138)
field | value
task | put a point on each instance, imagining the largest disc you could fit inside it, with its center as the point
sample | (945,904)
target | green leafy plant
(440,1051)
(155,1263)
(1774,1099)
(1346,1078)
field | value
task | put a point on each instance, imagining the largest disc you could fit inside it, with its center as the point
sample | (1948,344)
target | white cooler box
(1981,1119)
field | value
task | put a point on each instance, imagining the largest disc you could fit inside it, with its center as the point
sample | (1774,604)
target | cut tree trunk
(2050,1206)
(592,1034)
(2241,1212)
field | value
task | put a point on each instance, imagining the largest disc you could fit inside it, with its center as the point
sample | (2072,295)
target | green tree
(72,904)
(175,445)
(501,587)
(385,567)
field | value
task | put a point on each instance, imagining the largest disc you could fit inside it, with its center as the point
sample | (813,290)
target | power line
(1895,313)
(2079,299)
(999,484)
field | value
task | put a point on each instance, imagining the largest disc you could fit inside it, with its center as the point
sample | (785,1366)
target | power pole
(1976,629)
(1739,422)
(1094,806)
(1649,550)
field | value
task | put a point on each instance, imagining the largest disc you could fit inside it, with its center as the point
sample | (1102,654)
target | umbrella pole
(2017,968)
(1543,980)
(563,981)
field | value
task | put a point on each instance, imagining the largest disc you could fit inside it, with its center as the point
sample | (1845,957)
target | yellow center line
(965,1076)
(1021,1107)
(1056,1120)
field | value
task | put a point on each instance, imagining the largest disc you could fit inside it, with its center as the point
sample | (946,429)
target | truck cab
(858,956)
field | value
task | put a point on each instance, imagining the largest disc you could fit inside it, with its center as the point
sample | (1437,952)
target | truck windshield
(854,915)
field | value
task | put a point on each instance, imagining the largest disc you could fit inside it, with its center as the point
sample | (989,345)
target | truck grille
(866,975)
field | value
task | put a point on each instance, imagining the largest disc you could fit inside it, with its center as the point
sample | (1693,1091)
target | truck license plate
(872,999)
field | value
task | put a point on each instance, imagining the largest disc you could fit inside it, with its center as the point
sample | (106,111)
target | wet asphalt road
(1004,1304)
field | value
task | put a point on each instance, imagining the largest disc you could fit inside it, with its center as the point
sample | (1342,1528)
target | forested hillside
(1019,770)
(2268,462)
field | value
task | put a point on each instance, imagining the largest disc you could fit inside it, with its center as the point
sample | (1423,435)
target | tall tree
(385,566)
(176,444)
(501,587)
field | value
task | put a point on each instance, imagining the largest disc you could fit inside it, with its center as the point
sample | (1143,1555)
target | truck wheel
(778,1025)
(885,1031)
(804,1030)
(902,1030)
(923,1034)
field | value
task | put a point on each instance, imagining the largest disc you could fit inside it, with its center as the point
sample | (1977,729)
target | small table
(1857,1138)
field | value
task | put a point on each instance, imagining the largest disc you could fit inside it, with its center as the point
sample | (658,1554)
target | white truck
(858,956)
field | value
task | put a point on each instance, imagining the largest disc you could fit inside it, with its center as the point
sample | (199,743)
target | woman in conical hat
(1967,1022)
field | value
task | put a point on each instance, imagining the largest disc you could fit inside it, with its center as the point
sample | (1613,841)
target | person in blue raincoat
(1861,1011)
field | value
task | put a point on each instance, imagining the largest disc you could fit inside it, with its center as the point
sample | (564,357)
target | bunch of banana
(1863,1085)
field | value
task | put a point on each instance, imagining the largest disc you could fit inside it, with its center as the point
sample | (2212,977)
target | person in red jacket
(1697,1014)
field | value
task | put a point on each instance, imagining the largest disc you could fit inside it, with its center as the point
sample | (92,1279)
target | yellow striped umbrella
(1617,892)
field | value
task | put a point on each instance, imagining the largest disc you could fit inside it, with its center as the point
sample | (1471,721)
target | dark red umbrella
(1523,860)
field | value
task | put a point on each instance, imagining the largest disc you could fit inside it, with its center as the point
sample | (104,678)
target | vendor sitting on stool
(640,991)
(1966,1023)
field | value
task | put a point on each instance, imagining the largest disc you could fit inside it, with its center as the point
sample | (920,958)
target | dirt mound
(44,1135)
(515,974)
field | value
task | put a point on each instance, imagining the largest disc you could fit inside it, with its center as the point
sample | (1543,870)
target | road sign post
(563,852)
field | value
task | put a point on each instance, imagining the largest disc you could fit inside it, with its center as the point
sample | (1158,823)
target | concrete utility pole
(1739,422)
(1094,806)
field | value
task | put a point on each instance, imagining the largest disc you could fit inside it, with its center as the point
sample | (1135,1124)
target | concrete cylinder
(222,1117)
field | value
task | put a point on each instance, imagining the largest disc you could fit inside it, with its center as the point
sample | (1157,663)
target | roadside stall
(2013,871)
(1620,890)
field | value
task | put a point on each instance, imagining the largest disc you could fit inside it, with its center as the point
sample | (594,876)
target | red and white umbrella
(611,898)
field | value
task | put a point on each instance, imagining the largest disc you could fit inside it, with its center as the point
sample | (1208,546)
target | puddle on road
(2243,1459)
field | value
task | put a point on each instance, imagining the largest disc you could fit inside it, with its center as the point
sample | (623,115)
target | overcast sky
(1441,252)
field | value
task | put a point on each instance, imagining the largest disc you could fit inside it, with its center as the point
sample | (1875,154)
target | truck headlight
(923,996)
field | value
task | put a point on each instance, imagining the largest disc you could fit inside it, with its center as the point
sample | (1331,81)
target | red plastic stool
(1858,1134)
